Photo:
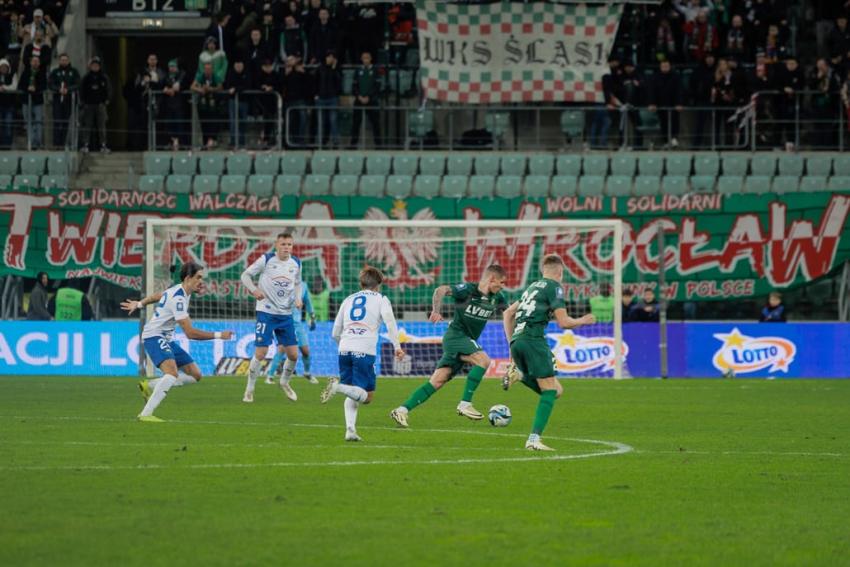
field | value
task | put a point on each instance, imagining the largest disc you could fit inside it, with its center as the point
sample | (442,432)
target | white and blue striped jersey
(173,307)
(359,320)
(278,281)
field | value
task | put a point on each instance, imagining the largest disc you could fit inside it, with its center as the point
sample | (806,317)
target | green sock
(472,380)
(305,359)
(532,385)
(544,410)
(419,395)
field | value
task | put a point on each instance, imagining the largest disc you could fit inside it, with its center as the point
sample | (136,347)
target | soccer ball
(499,415)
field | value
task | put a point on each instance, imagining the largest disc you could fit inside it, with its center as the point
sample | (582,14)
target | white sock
(152,383)
(162,386)
(355,393)
(255,367)
(288,369)
(184,379)
(351,413)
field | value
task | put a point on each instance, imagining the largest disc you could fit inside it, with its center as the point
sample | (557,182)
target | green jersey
(536,306)
(473,309)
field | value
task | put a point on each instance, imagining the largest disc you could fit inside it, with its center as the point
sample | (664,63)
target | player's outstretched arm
(131,305)
(509,320)
(566,322)
(198,335)
(392,327)
(437,301)
(338,323)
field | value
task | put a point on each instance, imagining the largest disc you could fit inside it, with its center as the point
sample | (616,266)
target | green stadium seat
(759,184)
(459,164)
(26,181)
(482,186)
(625,165)
(239,164)
(372,185)
(151,183)
(841,163)
(543,164)
(498,123)
(184,164)
(264,185)
(678,164)
(706,164)
(819,165)
(293,164)
(379,164)
(426,186)
(178,183)
(157,164)
(58,164)
(651,164)
(266,164)
(569,165)
(419,124)
(316,184)
(703,182)
(344,185)
(399,186)
(591,185)
(9,163)
(284,185)
(432,164)
(763,165)
(572,124)
(839,183)
(351,164)
(595,165)
(205,184)
(619,185)
(232,184)
(5,181)
(348,81)
(212,164)
(54,181)
(730,184)
(645,185)
(675,185)
(791,165)
(564,185)
(509,186)
(323,163)
(649,123)
(454,186)
(786,184)
(513,165)
(32,164)
(486,164)
(813,183)
(735,165)
(404,165)
(537,186)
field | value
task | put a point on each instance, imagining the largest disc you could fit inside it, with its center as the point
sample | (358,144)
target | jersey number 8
(358,308)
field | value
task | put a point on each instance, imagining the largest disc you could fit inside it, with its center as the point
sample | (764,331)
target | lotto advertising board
(696,350)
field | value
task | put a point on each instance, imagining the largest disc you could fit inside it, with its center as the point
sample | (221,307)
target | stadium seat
(649,123)
(706,164)
(839,183)
(513,165)
(841,163)
(703,182)
(419,125)
(286,184)
(426,186)
(232,184)
(157,164)
(212,164)
(564,185)
(759,184)
(791,165)
(675,185)
(618,186)
(651,165)
(348,81)
(5,181)
(57,164)
(542,164)
(184,164)
(595,165)
(459,164)
(786,184)
(569,165)
(239,164)
(151,183)
(498,123)
(537,186)
(293,164)
(266,164)
(344,185)
(735,165)
(454,186)
(730,184)
(624,164)
(486,164)
(644,185)
(205,184)
(482,186)
(819,165)
(323,163)
(379,164)
(263,185)
(508,186)
(591,185)
(32,164)
(25,181)
(432,164)
(763,165)
(399,186)
(56,181)
(812,183)
(9,163)
(316,184)
(678,164)
(403,165)
(572,124)
(351,164)
(178,183)
(372,185)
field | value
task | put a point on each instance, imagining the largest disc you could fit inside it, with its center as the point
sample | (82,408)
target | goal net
(416,256)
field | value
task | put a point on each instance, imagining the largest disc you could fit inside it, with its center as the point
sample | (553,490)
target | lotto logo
(576,353)
(743,354)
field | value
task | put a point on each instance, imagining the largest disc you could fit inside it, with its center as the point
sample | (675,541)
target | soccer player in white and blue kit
(177,366)
(356,330)
(302,336)
(278,293)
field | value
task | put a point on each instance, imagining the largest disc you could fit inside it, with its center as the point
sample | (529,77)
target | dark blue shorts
(357,369)
(281,327)
(161,350)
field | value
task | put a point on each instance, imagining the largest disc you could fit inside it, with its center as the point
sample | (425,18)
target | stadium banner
(717,246)
(515,51)
(697,350)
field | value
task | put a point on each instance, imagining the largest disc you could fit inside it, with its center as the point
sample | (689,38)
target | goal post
(416,255)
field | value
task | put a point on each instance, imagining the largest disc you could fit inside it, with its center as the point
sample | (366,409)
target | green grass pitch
(737,472)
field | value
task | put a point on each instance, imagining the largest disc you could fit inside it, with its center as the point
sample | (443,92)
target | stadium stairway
(112,171)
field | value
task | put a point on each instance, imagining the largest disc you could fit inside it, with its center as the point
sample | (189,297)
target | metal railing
(51,124)
(806,118)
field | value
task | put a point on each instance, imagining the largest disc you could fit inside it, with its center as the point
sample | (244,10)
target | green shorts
(533,358)
(456,345)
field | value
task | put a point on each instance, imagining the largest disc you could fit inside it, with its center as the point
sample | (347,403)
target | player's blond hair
(370,277)
(551,261)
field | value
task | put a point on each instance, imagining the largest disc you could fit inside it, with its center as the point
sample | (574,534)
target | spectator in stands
(8,103)
(95,92)
(366,100)
(221,31)
(666,48)
(724,98)
(759,13)
(665,91)
(738,43)
(774,310)
(791,82)
(39,300)
(691,9)
(42,23)
(328,89)
(238,81)
(611,92)
(143,101)
(762,83)
(257,52)
(826,84)
(270,32)
(628,304)
(11,25)
(215,57)
(701,37)
(702,89)
(174,105)
(63,82)
(401,17)
(70,304)
(269,82)
(633,95)
(369,27)
(646,310)
(297,94)
(33,83)
(311,15)
(602,305)
(775,44)
(38,48)
(320,298)
(838,42)
(323,37)
(294,43)
(208,86)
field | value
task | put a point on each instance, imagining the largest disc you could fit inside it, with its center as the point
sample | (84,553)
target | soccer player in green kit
(525,327)
(475,304)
